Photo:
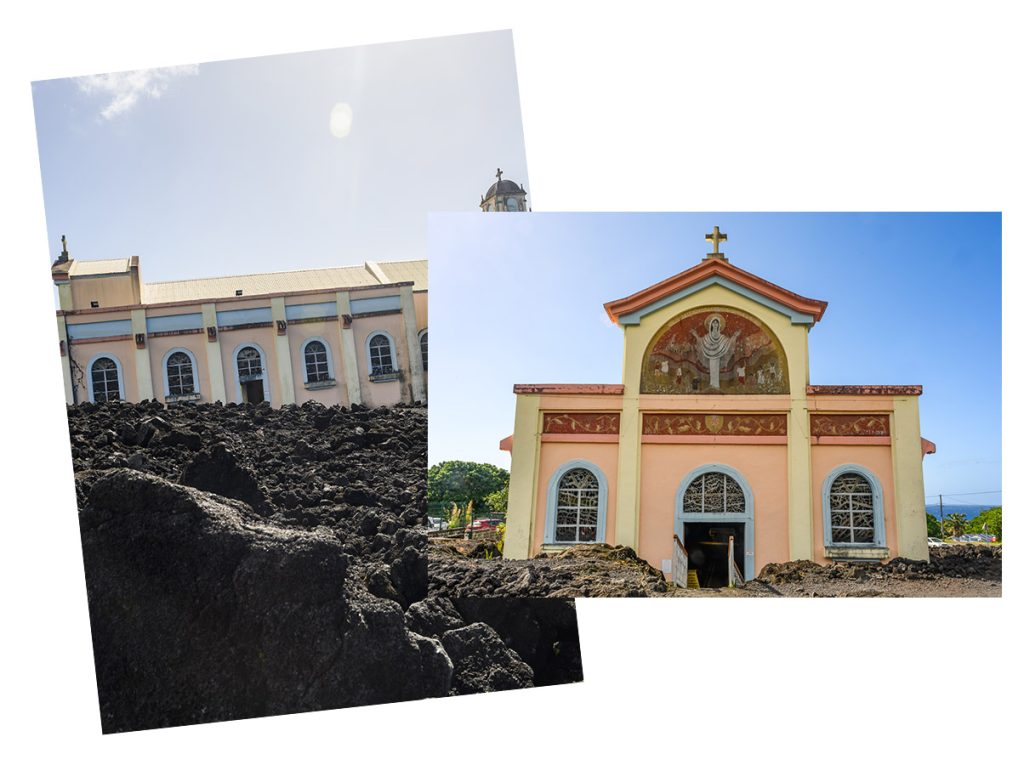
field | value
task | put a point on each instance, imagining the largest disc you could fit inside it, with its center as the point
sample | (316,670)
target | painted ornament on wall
(714,350)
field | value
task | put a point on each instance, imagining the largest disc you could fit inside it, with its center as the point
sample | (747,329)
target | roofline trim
(230,299)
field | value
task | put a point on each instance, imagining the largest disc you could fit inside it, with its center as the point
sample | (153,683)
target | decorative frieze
(589,423)
(699,424)
(849,425)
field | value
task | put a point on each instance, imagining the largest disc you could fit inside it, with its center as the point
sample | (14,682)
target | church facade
(349,335)
(716,440)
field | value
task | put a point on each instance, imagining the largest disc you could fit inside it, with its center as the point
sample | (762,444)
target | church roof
(711,270)
(504,187)
(365,275)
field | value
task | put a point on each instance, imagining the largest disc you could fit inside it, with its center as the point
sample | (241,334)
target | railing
(680,563)
(735,577)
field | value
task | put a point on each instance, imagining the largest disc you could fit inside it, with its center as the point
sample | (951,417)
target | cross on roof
(715,237)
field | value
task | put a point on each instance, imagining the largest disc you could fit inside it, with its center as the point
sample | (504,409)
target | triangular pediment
(709,272)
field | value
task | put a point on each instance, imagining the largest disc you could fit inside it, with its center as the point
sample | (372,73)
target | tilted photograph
(238,255)
(760,405)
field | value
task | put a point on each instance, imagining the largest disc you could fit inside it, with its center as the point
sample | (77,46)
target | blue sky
(232,167)
(913,299)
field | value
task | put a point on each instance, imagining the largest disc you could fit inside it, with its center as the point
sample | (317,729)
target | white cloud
(125,88)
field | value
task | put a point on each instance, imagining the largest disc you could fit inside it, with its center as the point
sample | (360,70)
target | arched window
(423,348)
(250,365)
(714,492)
(105,378)
(576,519)
(181,379)
(315,356)
(853,509)
(381,357)
(577,505)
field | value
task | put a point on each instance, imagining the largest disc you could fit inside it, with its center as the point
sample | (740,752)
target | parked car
(483,524)
(936,542)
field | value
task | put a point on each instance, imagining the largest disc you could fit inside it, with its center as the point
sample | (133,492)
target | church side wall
(762,466)
(555,454)
(328,332)
(196,345)
(877,459)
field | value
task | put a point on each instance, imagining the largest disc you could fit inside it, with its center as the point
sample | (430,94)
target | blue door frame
(746,517)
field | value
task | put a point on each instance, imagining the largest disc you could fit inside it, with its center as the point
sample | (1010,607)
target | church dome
(504,187)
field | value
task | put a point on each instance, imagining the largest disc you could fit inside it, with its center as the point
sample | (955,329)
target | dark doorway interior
(252,392)
(708,547)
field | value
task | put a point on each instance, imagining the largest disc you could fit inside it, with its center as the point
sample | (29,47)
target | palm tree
(956,524)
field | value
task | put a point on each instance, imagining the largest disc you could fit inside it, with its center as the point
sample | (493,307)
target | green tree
(988,522)
(463,482)
(934,527)
(956,524)
(497,501)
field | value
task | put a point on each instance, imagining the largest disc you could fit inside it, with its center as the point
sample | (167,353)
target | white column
(349,361)
(284,352)
(413,344)
(214,361)
(143,370)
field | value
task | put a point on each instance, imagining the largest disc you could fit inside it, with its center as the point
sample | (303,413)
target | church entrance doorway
(714,503)
(708,548)
(252,392)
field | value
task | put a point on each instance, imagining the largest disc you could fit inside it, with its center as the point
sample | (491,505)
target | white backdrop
(711,106)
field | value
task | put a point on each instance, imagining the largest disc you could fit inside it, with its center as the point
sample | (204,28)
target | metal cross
(715,237)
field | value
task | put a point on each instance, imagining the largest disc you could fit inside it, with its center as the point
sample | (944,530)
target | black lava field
(244,561)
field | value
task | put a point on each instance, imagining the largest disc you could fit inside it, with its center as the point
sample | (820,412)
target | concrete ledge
(868,554)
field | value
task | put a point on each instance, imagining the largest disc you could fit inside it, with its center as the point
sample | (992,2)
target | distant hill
(971,511)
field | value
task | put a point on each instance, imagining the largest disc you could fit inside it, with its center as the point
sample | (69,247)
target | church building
(348,335)
(716,440)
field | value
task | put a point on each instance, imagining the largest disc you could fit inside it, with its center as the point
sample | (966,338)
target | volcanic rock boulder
(201,611)
(483,662)
(220,471)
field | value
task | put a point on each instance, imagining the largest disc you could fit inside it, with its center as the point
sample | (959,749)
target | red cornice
(703,270)
(596,389)
(864,390)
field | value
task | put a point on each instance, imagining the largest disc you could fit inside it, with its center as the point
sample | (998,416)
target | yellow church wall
(420,302)
(117,290)
(878,459)
(763,466)
(555,454)
(911,523)
(522,485)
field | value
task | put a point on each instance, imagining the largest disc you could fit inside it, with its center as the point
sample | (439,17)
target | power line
(964,494)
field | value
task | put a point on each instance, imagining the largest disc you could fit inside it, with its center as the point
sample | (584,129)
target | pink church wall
(384,393)
(763,466)
(263,337)
(329,332)
(553,456)
(196,344)
(877,459)
(122,350)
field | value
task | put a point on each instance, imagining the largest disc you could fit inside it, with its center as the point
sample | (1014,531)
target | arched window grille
(423,349)
(250,366)
(853,515)
(381,359)
(317,368)
(577,508)
(181,379)
(714,493)
(105,385)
